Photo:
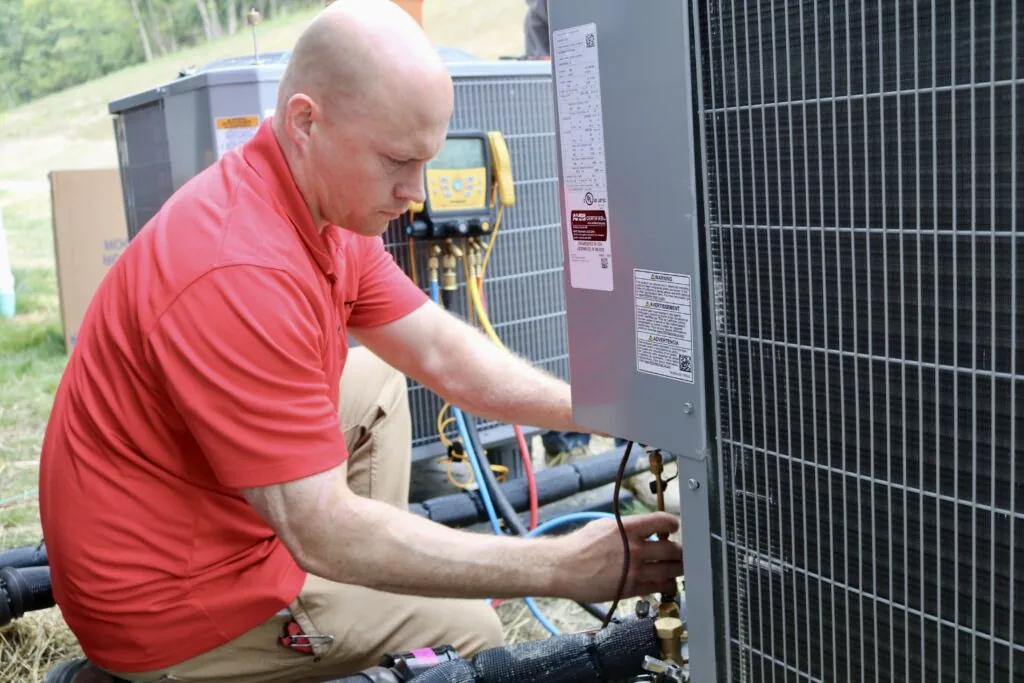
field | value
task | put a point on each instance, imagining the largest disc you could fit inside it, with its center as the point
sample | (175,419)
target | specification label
(578,89)
(664,332)
(232,131)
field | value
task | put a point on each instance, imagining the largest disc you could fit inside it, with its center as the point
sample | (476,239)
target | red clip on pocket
(295,639)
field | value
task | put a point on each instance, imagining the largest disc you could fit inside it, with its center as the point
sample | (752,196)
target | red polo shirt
(209,360)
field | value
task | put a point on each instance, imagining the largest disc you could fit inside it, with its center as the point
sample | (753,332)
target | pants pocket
(302,634)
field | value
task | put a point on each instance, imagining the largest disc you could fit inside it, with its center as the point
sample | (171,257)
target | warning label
(589,226)
(232,131)
(664,333)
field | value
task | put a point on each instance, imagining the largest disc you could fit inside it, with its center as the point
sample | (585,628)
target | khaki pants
(364,623)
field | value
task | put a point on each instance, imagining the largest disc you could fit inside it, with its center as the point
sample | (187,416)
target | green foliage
(50,45)
(53,44)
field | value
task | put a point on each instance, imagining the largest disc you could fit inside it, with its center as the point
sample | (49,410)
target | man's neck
(302,181)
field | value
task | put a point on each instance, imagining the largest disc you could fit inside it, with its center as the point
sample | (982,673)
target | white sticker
(578,82)
(268,113)
(232,131)
(664,333)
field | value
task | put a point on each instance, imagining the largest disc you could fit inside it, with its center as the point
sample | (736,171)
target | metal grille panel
(863,181)
(524,286)
(145,165)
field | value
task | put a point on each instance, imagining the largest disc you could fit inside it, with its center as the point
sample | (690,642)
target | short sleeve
(386,293)
(240,354)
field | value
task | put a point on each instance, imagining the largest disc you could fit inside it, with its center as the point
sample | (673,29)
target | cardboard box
(89,233)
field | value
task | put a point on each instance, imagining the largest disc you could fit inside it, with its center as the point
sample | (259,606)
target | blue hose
(569,518)
(485,495)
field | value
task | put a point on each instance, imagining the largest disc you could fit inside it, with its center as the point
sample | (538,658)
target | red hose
(531,483)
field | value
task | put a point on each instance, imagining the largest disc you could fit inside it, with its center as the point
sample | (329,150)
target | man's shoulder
(225,217)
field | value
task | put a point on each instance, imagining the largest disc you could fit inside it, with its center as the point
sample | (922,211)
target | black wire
(622,532)
(505,508)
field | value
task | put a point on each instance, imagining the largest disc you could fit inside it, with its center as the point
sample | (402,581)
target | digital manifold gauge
(465,184)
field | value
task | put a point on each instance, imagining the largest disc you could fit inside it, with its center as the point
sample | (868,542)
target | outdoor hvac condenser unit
(795,258)
(168,134)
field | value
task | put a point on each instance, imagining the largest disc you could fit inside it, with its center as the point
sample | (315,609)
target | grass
(72,130)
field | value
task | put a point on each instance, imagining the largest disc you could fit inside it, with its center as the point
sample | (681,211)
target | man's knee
(475,626)
(368,379)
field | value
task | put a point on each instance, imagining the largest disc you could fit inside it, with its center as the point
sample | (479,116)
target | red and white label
(585,185)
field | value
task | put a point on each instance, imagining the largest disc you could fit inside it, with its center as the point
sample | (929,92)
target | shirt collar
(263,153)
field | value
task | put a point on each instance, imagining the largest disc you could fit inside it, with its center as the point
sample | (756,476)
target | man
(223,482)
(535,30)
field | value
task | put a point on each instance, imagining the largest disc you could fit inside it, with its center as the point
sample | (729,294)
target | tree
(49,45)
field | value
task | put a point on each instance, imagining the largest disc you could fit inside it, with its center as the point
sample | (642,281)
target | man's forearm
(379,546)
(495,384)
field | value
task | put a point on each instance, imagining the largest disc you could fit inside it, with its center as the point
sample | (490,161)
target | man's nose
(414,190)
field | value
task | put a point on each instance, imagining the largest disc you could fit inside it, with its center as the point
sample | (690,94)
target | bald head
(357,54)
(363,105)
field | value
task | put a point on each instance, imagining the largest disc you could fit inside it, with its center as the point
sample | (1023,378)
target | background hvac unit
(167,135)
(843,181)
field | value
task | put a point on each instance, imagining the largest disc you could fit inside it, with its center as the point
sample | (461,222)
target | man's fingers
(658,573)
(650,524)
(658,551)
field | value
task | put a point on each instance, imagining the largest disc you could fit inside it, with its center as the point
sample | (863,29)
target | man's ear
(300,113)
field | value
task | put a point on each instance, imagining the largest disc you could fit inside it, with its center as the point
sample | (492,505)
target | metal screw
(693,484)
(688,408)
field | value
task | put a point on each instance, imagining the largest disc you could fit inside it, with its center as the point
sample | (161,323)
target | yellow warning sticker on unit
(232,131)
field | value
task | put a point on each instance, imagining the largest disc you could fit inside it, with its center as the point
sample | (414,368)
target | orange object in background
(413,7)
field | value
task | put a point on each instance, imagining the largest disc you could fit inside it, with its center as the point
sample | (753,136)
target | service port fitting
(670,636)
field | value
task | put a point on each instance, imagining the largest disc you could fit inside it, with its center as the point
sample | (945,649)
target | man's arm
(335,534)
(458,362)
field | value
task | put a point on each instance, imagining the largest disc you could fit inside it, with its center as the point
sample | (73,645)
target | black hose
(377,674)
(622,530)
(612,654)
(24,590)
(553,484)
(505,508)
(25,556)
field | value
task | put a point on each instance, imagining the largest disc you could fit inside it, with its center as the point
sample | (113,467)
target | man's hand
(596,558)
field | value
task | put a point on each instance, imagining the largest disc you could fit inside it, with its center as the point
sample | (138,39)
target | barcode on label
(590,40)
(684,363)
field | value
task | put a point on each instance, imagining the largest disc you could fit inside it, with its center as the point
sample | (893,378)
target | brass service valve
(670,632)
(449,266)
(473,260)
(434,263)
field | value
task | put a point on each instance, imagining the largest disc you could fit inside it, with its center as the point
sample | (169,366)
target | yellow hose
(490,244)
(442,424)
(481,312)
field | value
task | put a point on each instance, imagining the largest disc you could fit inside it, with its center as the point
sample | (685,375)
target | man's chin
(370,228)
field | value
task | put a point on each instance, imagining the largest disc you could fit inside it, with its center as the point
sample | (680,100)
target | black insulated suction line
(615,653)
(553,484)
